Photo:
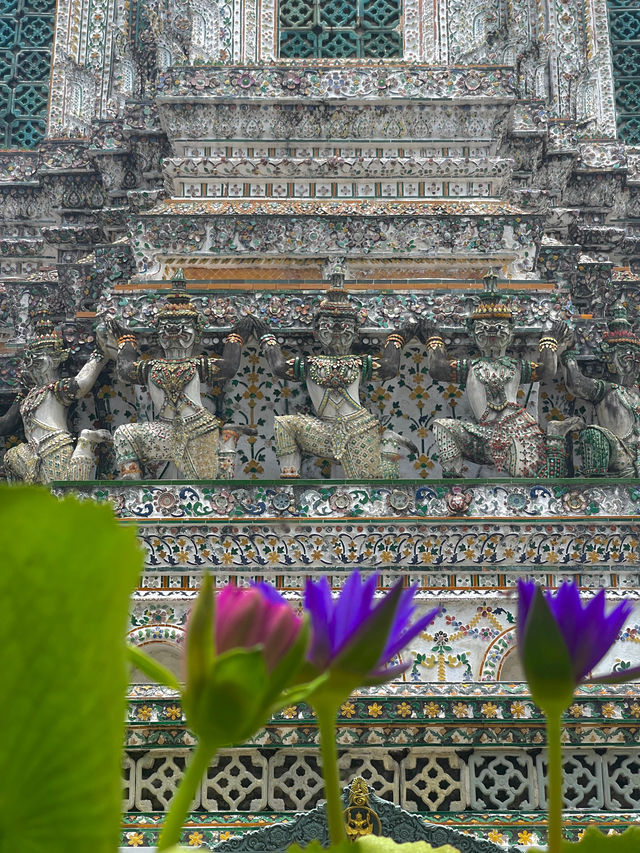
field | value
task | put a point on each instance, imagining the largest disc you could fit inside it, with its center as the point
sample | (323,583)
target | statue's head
(44,354)
(337,318)
(491,324)
(620,347)
(178,323)
(336,323)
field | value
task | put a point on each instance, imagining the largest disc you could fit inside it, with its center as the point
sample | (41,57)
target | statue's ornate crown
(491,305)
(620,330)
(178,305)
(336,302)
(46,337)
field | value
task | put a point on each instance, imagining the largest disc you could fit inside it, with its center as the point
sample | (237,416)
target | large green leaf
(65,584)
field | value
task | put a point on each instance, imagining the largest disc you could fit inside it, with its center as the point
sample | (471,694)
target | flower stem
(183,797)
(554,780)
(326,716)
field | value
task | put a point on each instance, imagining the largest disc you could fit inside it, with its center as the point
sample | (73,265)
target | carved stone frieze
(587,500)
(306,233)
(294,310)
(477,124)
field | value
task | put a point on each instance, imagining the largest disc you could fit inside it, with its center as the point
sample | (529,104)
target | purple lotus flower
(258,616)
(559,643)
(587,631)
(356,635)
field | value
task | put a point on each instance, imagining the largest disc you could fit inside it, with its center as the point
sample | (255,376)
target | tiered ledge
(469,757)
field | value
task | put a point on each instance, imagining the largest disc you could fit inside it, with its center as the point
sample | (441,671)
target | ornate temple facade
(306,286)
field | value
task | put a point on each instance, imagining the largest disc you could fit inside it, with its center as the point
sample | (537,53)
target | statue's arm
(117,343)
(89,372)
(577,383)
(278,364)
(547,364)
(227,365)
(440,367)
(11,418)
(389,362)
(127,362)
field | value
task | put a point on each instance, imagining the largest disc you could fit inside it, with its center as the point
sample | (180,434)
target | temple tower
(243,159)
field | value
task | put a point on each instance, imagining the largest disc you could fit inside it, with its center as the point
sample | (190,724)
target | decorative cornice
(336,82)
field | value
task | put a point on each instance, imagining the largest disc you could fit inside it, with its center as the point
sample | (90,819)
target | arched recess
(500,661)
(164,643)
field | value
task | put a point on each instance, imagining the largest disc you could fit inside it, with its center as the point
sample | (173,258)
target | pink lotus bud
(257,616)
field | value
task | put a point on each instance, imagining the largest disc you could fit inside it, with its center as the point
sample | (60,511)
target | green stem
(554,780)
(183,797)
(326,716)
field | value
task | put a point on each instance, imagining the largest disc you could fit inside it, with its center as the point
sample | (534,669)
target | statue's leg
(21,464)
(525,458)
(298,434)
(229,436)
(557,451)
(286,445)
(595,450)
(83,457)
(227,453)
(54,461)
(362,456)
(200,459)
(137,444)
(450,446)
(127,452)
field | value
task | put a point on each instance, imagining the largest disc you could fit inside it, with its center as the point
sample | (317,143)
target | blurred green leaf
(594,841)
(316,847)
(380,844)
(200,650)
(68,572)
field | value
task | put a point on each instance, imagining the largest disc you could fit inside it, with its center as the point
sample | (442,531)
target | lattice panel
(421,779)
(26,36)
(582,781)
(236,781)
(128,783)
(502,781)
(378,768)
(296,782)
(340,29)
(157,777)
(622,780)
(432,782)
(624,29)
